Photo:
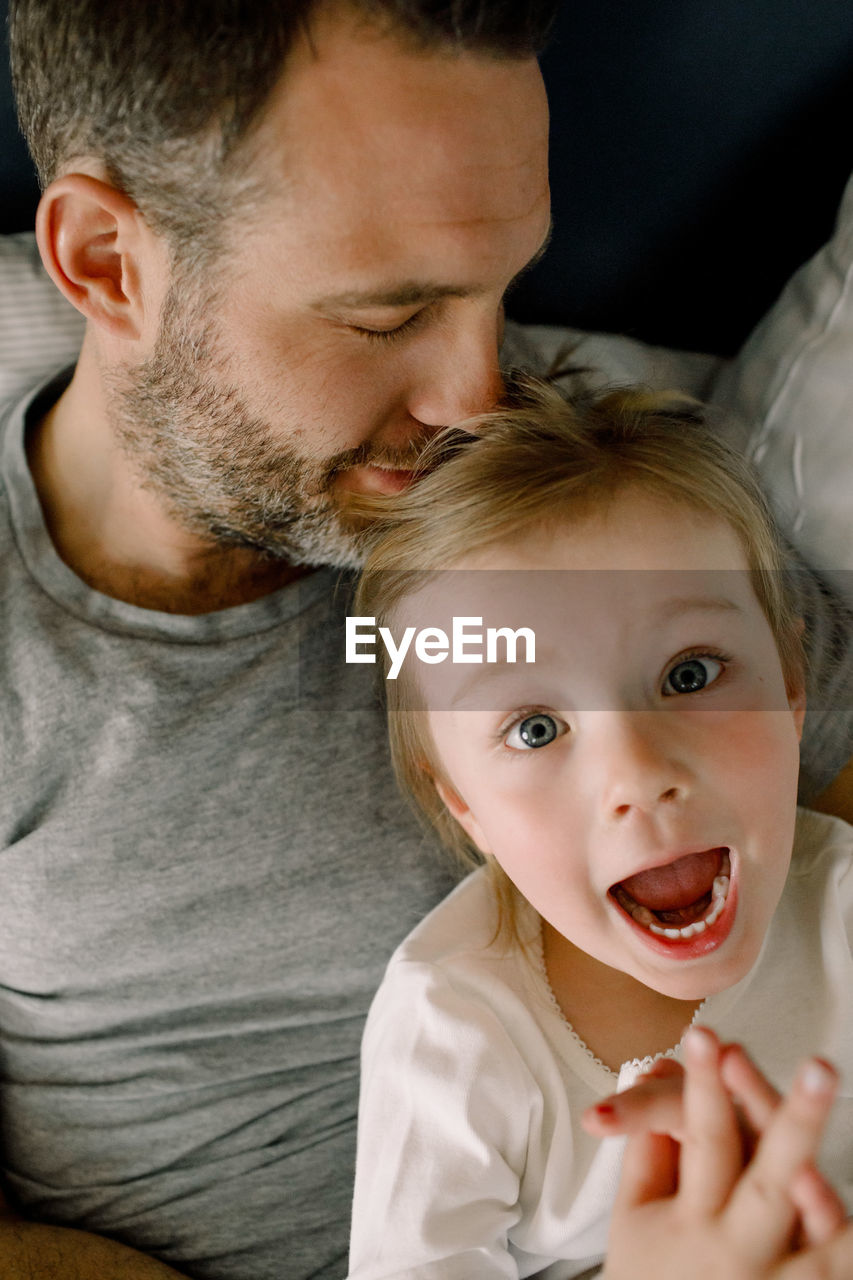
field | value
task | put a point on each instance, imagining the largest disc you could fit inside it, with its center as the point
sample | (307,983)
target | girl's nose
(642,763)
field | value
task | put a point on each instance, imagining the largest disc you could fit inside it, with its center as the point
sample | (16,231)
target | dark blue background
(699,150)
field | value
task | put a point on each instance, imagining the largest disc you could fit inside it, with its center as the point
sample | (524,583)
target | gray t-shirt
(205,866)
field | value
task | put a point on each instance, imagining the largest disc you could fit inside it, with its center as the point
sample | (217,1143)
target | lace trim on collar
(637,1064)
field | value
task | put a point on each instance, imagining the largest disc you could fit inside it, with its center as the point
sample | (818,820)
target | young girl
(620,750)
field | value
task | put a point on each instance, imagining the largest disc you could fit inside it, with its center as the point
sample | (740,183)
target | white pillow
(792,388)
(39,330)
(609,360)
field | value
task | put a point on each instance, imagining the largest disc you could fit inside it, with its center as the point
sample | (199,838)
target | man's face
(358,309)
(649,752)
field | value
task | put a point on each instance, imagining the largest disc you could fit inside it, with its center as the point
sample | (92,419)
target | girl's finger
(655,1104)
(831,1261)
(662,1069)
(751,1089)
(761,1212)
(711,1153)
(822,1212)
(649,1171)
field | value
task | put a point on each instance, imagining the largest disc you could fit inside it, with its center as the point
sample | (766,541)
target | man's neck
(114,534)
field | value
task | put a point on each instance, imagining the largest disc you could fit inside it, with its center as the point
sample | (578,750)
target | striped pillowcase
(39,330)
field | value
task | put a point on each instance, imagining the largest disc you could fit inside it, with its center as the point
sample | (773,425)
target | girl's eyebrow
(501,676)
(469,692)
(679,605)
(495,673)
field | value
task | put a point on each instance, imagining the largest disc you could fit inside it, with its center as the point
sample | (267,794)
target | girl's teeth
(718,901)
(720,886)
(719,893)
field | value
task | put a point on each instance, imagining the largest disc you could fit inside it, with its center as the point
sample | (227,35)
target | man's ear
(94,244)
(458,809)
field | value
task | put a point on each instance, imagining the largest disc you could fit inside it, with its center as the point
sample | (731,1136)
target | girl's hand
(655,1104)
(698,1210)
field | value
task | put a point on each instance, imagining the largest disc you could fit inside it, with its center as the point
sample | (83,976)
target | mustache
(405,459)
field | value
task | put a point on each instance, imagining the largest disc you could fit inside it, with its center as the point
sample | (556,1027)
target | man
(290,229)
(290,234)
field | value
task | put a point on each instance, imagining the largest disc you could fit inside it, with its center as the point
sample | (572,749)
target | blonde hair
(547,461)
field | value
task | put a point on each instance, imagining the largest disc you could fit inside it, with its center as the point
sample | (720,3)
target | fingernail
(816,1077)
(700,1044)
(605,1109)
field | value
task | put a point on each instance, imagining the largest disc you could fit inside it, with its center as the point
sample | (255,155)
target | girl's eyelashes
(538,729)
(694,672)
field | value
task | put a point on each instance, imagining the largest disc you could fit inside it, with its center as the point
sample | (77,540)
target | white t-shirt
(471,1158)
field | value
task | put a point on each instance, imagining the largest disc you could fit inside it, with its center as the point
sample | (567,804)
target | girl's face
(637,782)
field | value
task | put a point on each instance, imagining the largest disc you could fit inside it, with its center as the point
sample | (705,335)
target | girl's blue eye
(691,675)
(534,731)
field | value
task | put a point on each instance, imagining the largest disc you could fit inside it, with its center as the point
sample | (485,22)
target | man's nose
(641,762)
(459,378)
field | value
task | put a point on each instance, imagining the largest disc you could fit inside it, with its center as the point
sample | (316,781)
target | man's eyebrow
(407,293)
(410,293)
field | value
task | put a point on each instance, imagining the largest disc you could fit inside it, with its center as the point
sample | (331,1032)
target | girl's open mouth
(685,908)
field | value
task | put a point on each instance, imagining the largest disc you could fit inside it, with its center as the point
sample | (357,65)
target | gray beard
(218,468)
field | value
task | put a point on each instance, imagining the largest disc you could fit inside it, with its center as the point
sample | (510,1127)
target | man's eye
(389,335)
(534,731)
(692,674)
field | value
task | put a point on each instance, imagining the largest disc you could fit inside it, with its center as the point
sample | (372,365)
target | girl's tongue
(677,885)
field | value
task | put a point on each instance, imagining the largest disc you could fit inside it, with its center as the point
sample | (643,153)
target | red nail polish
(605,1109)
